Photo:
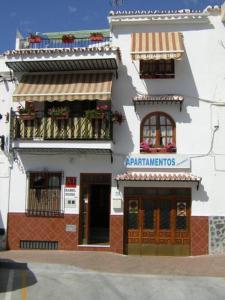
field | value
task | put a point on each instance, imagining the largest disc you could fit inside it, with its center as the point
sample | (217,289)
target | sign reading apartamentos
(158,162)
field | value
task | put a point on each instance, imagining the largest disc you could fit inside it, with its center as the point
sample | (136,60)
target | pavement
(208,265)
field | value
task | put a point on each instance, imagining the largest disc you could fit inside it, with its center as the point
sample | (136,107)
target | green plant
(68,38)
(117,117)
(25,110)
(58,111)
(95,114)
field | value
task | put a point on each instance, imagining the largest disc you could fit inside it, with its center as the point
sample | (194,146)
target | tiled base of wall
(22,227)
(199,235)
(116,234)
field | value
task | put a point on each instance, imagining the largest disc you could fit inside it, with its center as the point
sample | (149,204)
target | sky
(61,15)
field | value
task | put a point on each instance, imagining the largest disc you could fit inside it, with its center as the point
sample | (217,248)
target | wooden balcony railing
(73,128)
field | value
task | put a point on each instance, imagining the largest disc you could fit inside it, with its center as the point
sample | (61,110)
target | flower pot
(36,39)
(68,41)
(60,116)
(96,38)
(27,117)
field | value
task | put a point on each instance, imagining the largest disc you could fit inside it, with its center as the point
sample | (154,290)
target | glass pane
(169,131)
(168,121)
(163,141)
(153,130)
(163,130)
(153,120)
(169,140)
(164,215)
(181,223)
(147,122)
(162,120)
(148,214)
(54,182)
(153,141)
(133,214)
(146,131)
(181,215)
(132,221)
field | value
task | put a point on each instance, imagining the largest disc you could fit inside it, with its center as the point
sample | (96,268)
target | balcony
(44,43)
(55,129)
(53,53)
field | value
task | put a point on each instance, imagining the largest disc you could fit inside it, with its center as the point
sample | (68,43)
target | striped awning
(156,45)
(62,87)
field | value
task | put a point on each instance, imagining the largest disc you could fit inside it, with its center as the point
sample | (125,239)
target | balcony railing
(73,128)
(58,43)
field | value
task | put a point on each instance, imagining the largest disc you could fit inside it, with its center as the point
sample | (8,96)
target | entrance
(99,214)
(158,221)
(95,208)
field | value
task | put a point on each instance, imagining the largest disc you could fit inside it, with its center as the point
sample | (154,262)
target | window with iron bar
(44,194)
(153,69)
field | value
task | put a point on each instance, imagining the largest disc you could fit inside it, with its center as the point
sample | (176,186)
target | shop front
(157,193)
(157,221)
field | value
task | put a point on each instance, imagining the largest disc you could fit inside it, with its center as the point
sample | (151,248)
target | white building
(6,89)
(122,145)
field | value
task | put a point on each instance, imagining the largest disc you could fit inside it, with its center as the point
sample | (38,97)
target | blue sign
(160,161)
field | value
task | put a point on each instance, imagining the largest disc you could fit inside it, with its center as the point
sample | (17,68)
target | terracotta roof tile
(187,177)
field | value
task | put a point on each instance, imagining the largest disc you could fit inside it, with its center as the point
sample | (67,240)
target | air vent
(45,245)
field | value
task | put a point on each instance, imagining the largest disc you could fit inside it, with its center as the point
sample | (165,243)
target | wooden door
(158,225)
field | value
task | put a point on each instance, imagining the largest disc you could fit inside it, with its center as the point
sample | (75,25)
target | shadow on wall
(15,276)
(2,233)
(200,194)
(183,84)
(123,93)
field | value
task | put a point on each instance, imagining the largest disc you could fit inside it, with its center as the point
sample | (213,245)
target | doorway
(95,209)
(99,214)
(158,222)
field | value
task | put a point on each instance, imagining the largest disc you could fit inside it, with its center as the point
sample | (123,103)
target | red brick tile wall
(116,234)
(21,227)
(199,235)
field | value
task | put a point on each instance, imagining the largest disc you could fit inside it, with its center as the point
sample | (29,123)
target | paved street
(48,281)
(91,275)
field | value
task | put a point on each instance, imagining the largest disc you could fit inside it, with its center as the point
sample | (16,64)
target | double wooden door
(158,225)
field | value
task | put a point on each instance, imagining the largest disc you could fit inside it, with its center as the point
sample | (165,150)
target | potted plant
(60,113)
(68,38)
(34,38)
(26,113)
(103,107)
(96,37)
(144,146)
(95,114)
(117,117)
(171,147)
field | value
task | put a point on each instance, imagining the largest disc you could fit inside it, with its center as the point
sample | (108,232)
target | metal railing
(72,128)
(58,43)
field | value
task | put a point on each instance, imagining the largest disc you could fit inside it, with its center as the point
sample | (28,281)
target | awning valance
(62,87)
(156,45)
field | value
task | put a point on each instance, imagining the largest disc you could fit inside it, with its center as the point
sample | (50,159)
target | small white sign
(71,228)
(70,197)
(162,161)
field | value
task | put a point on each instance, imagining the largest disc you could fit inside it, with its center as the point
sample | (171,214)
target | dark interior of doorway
(99,214)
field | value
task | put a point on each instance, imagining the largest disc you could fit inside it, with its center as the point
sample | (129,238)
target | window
(44,197)
(157,69)
(158,133)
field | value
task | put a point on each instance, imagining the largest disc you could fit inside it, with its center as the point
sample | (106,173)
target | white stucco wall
(199,77)
(6,88)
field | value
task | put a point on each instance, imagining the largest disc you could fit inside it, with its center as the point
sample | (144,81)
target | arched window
(158,132)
